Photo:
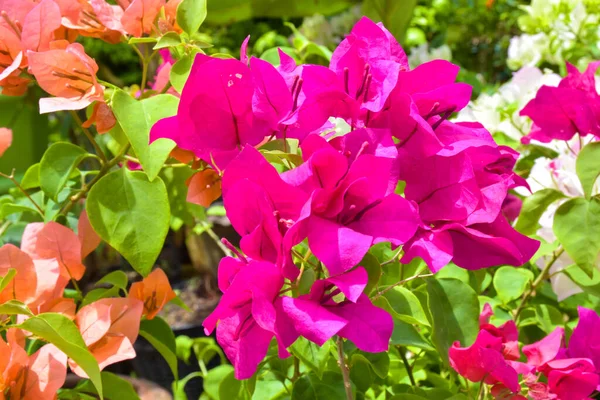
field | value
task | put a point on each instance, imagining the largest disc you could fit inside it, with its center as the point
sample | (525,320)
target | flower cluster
(50,257)
(553,370)
(37,38)
(558,113)
(499,111)
(403,174)
(555,31)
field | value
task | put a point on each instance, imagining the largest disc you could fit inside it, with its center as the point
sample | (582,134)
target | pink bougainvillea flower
(540,353)
(54,241)
(413,107)
(368,62)
(23,285)
(561,112)
(507,332)
(50,288)
(214,119)
(245,317)
(154,291)
(483,361)
(260,206)
(317,317)
(351,205)
(39,26)
(161,79)
(109,328)
(35,377)
(67,73)
(88,238)
(572,378)
(460,191)
(583,342)
(294,101)
(6,138)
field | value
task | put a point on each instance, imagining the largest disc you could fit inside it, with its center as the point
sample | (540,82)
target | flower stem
(86,188)
(344,368)
(11,177)
(402,352)
(541,277)
(90,137)
(379,294)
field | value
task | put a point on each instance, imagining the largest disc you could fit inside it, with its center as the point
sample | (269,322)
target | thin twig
(412,278)
(86,188)
(344,368)
(217,240)
(402,352)
(18,185)
(90,137)
(541,277)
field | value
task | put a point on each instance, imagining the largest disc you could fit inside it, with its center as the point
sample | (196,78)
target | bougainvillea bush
(386,250)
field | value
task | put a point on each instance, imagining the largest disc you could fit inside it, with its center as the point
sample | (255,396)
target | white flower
(559,174)
(422,54)
(499,112)
(527,50)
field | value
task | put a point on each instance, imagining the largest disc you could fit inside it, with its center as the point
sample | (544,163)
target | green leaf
(115,278)
(159,334)
(533,208)
(169,39)
(590,285)
(191,14)
(7,278)
(311,355)
(510,282)
(31,179)
(310,387)
(230,388)
(405,334)
(115,388)
(64,334)
(57,164)
(588,167)
(100,293)
(131,214)
(395,15)
(577,227)
(135,40)
(405,306)
(455,310)
(213,380)
(179,389)
(137,118)
(14,307)
(10,208)
(361,373)
(371,264)
(180,72)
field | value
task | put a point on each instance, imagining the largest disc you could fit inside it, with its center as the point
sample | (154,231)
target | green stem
(86,188)
(344,369)
(380,293)
(402,352)
(90,137)
(11,177)
(537,282)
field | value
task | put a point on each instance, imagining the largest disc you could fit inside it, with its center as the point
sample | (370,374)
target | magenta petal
(271,100)
(352,283)
(584,342)
(485,245)
(393,219)
(338,247)
(545,350)
(434,247)
(311,320)
(244,342)
(369,327)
